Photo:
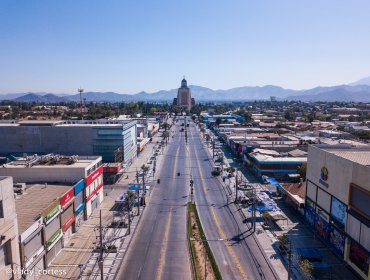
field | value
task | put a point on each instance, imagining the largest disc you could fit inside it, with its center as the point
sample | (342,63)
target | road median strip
(202,259)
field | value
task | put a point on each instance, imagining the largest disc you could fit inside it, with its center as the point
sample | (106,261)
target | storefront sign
(79,186)
(68,223)
(35,226)
(55,237)
(67,198)
(53,212)
(91,178)
(94,192)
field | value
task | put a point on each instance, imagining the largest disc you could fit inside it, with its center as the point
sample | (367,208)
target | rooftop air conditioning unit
(19,186)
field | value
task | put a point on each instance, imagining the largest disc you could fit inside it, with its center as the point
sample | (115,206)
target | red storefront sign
(94,192)
(68,223)
(67,198)
(91,178)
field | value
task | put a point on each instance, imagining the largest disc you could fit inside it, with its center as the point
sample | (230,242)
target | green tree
(302,170)
(218,121)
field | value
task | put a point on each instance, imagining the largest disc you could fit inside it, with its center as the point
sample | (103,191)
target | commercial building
(114,140)
(338,199)
(267,163)
(43,215)
(9,252)
(86,173)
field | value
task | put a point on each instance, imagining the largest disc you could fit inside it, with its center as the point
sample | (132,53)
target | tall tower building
(183,96)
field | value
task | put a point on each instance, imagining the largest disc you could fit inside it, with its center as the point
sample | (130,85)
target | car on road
(216,172)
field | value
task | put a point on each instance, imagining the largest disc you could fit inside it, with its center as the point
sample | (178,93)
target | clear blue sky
(129,46)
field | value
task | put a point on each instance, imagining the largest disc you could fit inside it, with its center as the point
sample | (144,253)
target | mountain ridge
(357,92)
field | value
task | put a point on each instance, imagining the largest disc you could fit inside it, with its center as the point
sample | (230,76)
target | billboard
(338,210)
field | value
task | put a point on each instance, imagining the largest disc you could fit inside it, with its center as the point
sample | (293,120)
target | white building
(9,252)
(338,201)
(61,169)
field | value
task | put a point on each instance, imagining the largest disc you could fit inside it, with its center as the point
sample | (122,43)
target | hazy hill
(364,81)
(358,91)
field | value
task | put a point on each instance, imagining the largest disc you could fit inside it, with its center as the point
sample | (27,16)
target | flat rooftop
(51,161)
(34,201)
(270,159)
(357,155)
(3,177)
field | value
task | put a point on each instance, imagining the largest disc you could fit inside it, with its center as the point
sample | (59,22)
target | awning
(275,183)
(134,188)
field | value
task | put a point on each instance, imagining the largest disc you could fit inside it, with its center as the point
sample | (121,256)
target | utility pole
(191,188)
(138,193)
(236,185)
(80,90)
(213,147)
(101,250)
(129,218)
(254,209)
(143,190)
(289,259)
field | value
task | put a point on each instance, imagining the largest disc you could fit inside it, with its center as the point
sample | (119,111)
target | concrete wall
(44,174)
(66,140)
(340,172)
(9,227)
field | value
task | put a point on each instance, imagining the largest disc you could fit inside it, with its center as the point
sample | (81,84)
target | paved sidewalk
(295,228)
(77,258)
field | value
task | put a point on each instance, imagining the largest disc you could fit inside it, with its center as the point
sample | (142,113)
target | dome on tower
(184,83)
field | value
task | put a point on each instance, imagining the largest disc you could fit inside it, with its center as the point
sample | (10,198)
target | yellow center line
(167,230)
(221,232)
(164,247)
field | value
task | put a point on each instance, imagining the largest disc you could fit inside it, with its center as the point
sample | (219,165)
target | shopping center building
(114,140)
(338,201)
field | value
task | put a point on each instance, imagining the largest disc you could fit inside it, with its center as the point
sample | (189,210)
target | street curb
(132,235)
(243,215)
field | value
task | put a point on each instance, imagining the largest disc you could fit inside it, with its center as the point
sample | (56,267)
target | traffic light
(191,183)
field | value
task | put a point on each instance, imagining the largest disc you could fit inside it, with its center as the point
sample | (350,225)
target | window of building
(359,200)
(359,257)
(3,255)
(1,209)
(338,210)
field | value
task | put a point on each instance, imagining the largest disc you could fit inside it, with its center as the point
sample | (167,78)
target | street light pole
(138,193)
(101,250)
(213,146)
(290,259)
(236,185)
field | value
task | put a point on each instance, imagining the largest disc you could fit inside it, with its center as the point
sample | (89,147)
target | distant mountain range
(357,92)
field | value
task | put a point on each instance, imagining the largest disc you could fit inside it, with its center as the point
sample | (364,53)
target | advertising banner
(359,257)
(94,192)
(55,237)
(91,178)
(67,224)
(52,213)
(79,186)
(67,198)
(322,228)
(337,239)
(338,210)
